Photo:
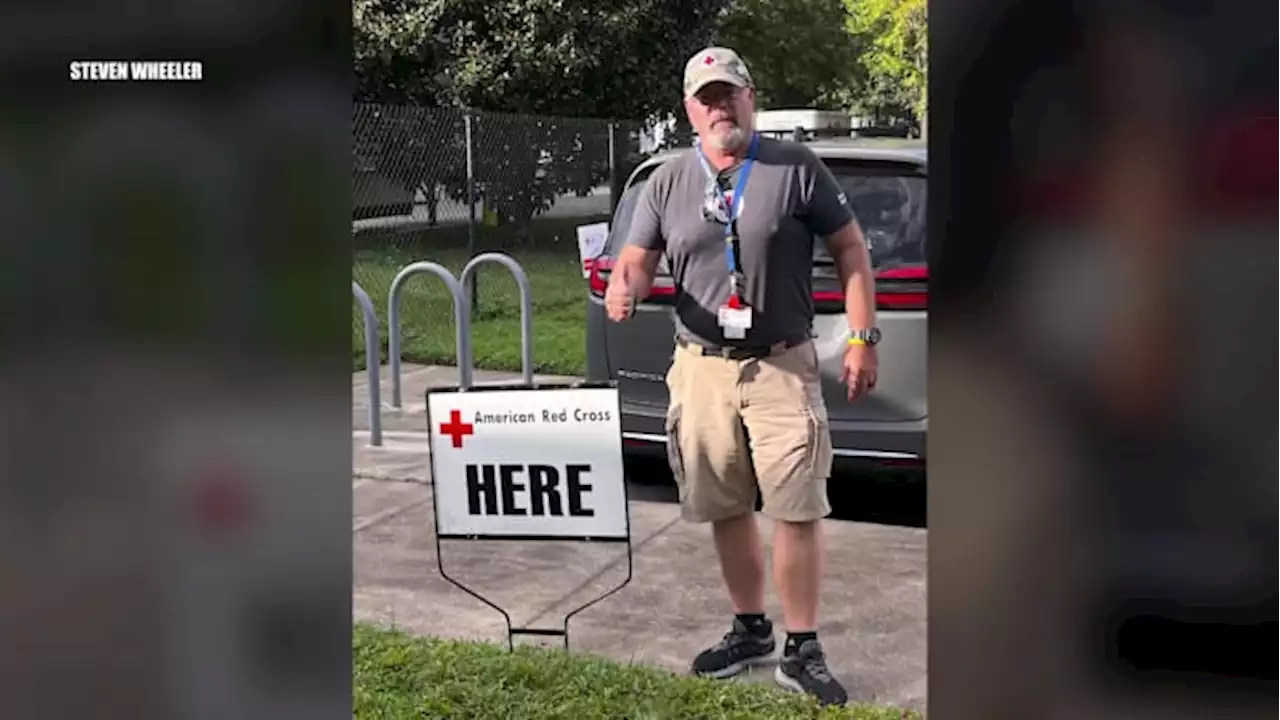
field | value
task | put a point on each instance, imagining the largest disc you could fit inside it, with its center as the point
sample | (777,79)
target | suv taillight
(598,272)
(598,275)
(902,288)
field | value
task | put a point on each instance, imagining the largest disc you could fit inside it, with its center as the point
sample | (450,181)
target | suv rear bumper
(891,443)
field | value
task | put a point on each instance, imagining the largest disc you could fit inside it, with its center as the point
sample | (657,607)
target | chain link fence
(444,184)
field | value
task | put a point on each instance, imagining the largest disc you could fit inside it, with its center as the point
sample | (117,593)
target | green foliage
(550,58)
(799,51)
(893,36)
(865,56)
(567,58)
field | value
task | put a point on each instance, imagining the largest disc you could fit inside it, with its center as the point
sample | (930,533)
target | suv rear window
(622,217)
(889,201)
(621,225)
(887,198)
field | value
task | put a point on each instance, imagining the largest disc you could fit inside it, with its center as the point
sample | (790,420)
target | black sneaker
(739,648)
(806,670)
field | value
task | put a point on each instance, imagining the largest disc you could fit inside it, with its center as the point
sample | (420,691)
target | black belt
(741,353)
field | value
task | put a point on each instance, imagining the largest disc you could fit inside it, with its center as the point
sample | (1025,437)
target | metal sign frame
(462,310)
(512,631)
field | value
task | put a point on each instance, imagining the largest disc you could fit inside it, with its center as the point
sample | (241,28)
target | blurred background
(174,458)
(1103,494)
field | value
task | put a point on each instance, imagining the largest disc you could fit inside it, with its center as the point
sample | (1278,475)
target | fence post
(614,184)
(372,363)
(526,308)
(461,319)
(471,201)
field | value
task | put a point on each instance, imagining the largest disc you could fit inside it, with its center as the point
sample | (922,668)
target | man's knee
(796,539)
(798,527)
(733,522)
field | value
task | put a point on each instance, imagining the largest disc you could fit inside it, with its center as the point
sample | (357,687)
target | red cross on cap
(709,60)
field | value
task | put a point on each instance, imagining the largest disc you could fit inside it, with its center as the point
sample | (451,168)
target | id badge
(735,322)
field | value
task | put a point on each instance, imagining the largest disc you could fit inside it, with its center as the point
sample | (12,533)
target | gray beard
(729,140)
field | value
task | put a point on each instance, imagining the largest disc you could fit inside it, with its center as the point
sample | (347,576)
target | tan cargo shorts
(737,425)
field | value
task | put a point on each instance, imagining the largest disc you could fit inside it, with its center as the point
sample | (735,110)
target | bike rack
(461,321)
(461,317)
(526,309)
(372,362)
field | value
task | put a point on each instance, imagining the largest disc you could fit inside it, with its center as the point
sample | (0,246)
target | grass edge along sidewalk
(558,294)
(396,675)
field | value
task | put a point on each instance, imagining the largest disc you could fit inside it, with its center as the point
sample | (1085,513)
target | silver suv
(885,183)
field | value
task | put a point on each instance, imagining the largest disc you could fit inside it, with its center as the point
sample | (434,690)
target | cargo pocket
(675,457)
(821,454)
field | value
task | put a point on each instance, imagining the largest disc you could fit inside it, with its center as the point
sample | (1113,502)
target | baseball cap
(715,64)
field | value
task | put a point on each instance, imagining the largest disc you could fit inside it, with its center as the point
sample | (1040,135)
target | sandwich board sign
(528,463)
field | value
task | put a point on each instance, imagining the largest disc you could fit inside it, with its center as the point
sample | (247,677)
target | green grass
(398,676)
(558,292)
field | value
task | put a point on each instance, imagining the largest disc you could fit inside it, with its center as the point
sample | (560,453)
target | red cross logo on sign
(456,429)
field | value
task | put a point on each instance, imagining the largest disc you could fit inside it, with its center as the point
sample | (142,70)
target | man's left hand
(860,369)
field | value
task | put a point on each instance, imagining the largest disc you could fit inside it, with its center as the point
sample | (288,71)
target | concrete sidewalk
(873,601)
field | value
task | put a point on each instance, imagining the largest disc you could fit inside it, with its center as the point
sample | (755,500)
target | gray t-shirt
(791,197)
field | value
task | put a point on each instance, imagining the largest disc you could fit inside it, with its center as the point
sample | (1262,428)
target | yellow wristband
(857,341)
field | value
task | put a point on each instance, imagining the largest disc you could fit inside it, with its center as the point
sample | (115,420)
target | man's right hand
(619,301)
(630,282)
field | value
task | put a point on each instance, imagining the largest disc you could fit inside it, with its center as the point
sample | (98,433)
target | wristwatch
(869,336)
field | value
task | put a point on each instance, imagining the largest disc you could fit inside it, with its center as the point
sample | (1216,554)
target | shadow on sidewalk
(880,497)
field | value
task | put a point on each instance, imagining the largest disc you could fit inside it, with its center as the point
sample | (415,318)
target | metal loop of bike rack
(461,316)
(372,362)
(526,309)
(461,320)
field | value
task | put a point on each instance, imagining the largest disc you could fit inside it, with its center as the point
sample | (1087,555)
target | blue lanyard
(735,205)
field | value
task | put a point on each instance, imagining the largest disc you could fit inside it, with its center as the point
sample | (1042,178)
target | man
(736,219)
